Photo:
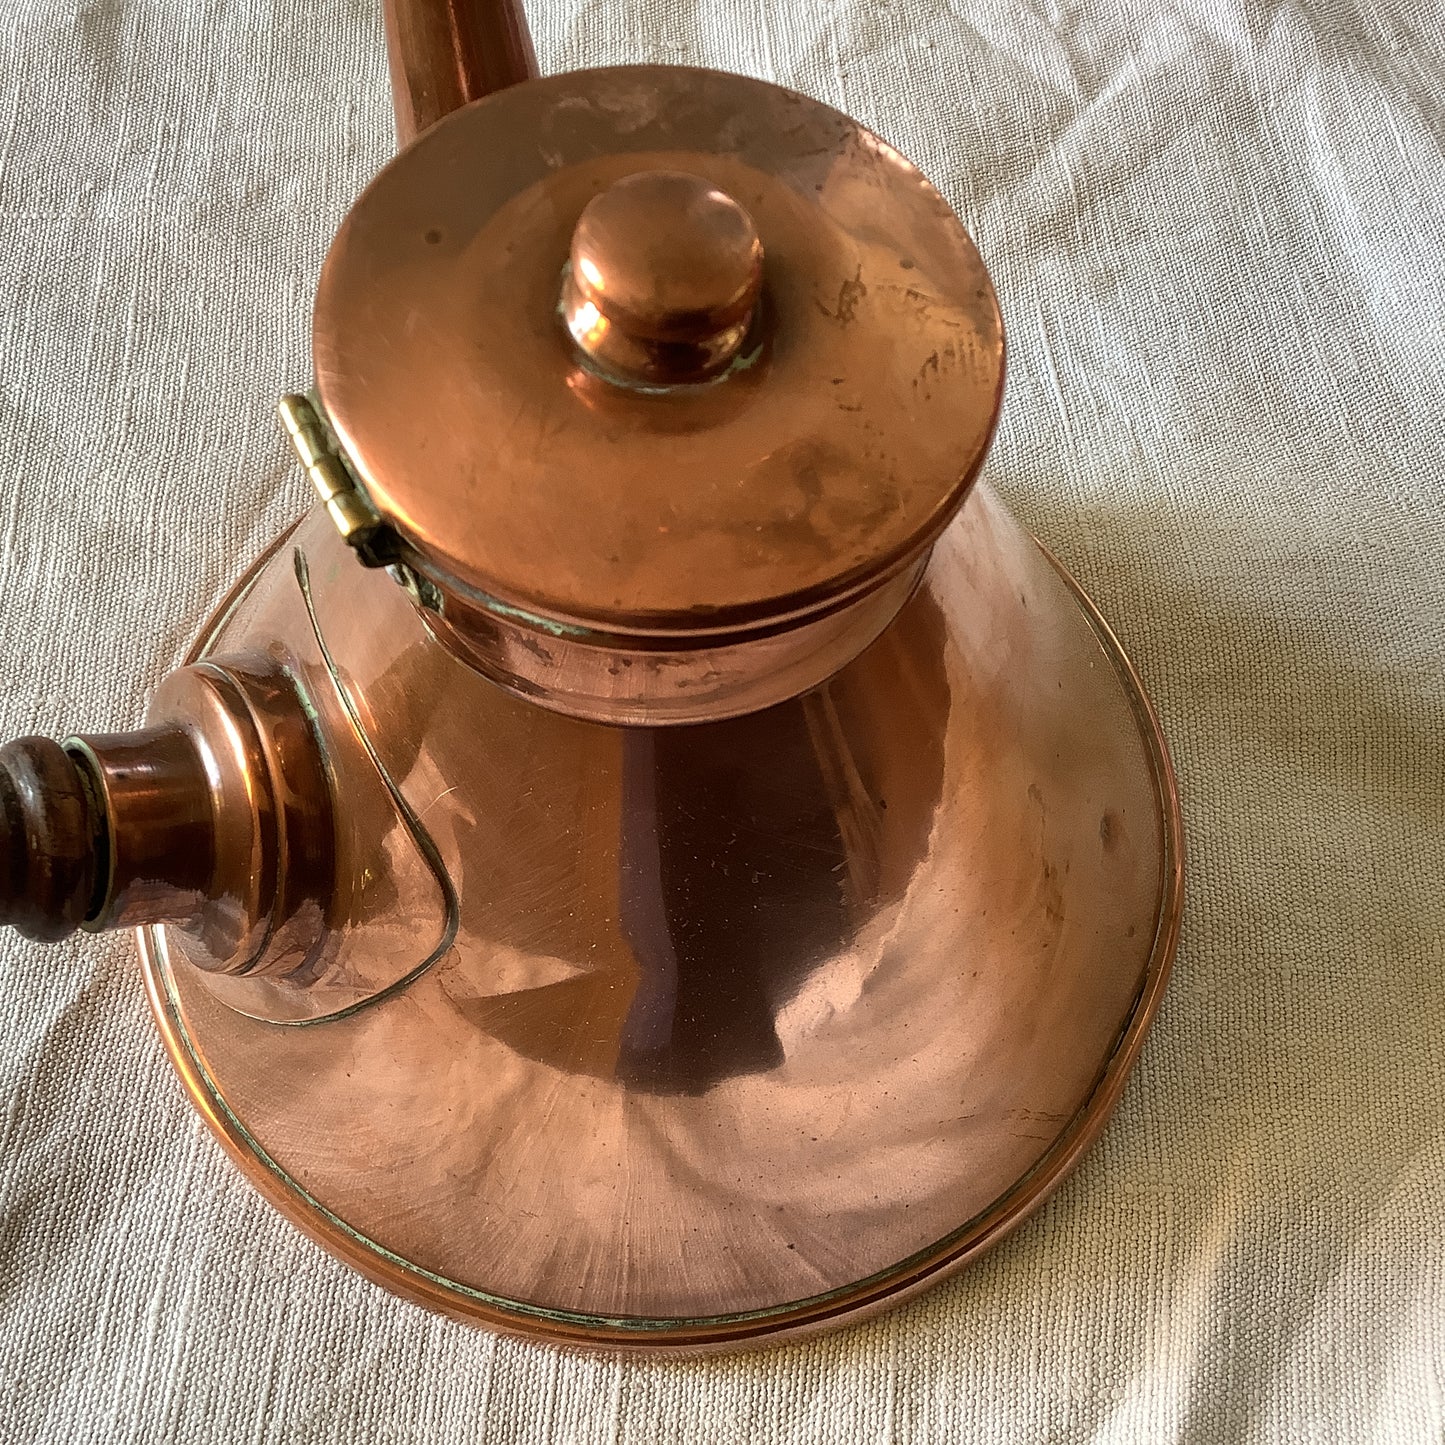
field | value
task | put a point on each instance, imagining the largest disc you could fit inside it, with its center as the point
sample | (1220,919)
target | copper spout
(446,53)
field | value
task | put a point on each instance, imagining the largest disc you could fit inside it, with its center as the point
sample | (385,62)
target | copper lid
(630,424)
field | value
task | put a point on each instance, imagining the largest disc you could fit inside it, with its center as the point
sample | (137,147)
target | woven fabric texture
(1216,229)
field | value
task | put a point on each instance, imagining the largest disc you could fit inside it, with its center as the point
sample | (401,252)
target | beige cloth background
(1217,232)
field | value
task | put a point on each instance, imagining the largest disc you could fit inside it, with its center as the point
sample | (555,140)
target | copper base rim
(778,1324)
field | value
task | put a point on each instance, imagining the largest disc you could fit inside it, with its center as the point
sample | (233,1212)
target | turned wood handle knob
(52,840)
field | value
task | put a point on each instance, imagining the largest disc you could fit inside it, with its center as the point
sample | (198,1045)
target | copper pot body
(701,914)
(691,1036)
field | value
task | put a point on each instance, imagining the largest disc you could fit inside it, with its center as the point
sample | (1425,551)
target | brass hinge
(359,523)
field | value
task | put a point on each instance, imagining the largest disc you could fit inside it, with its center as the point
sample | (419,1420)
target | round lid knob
(664,276)
(506,314)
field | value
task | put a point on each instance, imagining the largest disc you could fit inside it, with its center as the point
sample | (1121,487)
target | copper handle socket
(216,818)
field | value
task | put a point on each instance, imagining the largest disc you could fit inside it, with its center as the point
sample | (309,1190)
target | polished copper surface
(743,1028)
(160,849)
(663,279)
(446,53)
(517,478)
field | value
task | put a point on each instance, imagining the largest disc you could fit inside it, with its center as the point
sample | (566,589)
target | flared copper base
(735,1031)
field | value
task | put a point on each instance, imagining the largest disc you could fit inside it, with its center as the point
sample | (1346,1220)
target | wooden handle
(52,840)
(445,53)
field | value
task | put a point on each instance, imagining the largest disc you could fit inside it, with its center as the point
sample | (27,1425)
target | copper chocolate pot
(658,857)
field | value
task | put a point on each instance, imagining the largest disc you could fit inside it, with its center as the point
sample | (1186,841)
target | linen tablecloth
(1216,230)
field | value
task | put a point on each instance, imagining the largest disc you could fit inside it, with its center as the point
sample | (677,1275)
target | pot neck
(645,680)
